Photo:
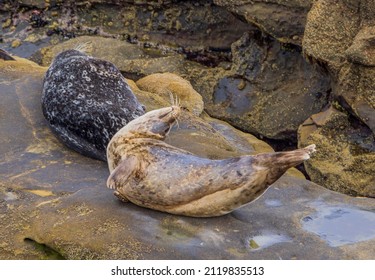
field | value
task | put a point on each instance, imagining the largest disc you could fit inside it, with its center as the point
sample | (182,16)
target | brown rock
(341,35)
(149,100)
(362,50)
(184,23)
(345,157)
(169,85)
(330,29)
(356,86)
(109,49)
(282,19)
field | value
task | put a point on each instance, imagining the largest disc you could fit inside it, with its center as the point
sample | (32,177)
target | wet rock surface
(55,203)
(271,90)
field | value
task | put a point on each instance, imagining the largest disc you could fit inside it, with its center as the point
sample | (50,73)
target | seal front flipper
(120,175)
(120,196)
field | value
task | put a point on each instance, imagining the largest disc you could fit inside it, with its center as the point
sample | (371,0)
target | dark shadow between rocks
(48,252)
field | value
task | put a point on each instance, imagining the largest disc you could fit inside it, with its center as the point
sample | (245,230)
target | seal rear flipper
(122,172)
(284,160)
(278,163)
(77,143)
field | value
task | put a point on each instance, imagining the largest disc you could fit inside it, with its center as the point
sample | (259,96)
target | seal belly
(179,183)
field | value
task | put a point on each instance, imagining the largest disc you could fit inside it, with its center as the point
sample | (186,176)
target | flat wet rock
(54,203)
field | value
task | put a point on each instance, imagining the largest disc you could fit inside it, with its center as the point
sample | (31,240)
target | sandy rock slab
(54,203)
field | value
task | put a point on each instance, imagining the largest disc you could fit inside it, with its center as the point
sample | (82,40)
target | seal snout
(171,114)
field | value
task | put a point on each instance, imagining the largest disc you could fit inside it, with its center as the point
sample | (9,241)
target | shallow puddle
(273,202)
(266,240)
(341,225)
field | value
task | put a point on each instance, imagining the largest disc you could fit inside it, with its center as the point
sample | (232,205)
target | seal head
(155,124)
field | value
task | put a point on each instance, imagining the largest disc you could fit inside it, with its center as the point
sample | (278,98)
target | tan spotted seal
(150,173)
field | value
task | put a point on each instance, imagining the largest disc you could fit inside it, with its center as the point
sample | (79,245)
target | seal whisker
(85,47)
(178,124)
(171,98)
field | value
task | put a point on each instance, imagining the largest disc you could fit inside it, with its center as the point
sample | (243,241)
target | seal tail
(278,163)
(286,159)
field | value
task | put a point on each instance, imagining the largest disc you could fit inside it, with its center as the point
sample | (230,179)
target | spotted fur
(86,101)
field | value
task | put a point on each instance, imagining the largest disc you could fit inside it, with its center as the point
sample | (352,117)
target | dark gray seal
(86,101)
(150,173)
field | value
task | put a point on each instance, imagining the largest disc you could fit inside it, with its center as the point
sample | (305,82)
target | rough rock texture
(330,29)
(177,24)
(54,204)
(362,50)
(345,158)
(96,47)
(169,85)
(132,60)
(86,101)
(160,22)
(356,88)
(271,89)
(283,19)
(340,34)
(345,42)
(276,88)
